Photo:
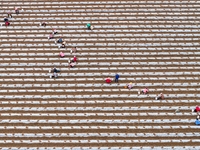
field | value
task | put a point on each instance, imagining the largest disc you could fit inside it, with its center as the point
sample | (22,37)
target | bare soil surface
(142,37)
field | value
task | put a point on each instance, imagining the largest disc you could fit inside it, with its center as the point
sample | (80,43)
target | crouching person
(160,97)
(60,40)
(61,55)
(72,64)
(54,75)
(43,24)
(63,45)
(51,36)
(197,122)
(144,91)
(197,109)
(130,85)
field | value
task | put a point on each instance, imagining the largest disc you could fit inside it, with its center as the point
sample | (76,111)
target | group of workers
(72,62)
(9,15)
(54,71)
(130,86)
(158,97)
(197,110)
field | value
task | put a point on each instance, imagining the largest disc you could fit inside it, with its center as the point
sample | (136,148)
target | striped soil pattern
(152,44)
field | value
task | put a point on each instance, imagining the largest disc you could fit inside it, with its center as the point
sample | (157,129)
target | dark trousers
(159,98)
(56,71)
(17,11)
(142,92)
(9,15)
(116,80)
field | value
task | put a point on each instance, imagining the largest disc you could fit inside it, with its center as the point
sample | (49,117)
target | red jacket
(75,59)
(7,23)
(197,108)
(108,80)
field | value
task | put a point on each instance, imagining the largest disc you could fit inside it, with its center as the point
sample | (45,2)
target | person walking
(116,77)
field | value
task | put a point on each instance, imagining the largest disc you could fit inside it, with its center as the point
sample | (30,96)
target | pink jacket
(62,54)
(145,90)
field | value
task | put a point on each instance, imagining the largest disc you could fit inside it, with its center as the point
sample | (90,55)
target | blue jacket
(60,40)
(116,76)
(197,122)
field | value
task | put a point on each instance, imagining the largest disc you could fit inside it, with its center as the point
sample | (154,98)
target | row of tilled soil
(79,109)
